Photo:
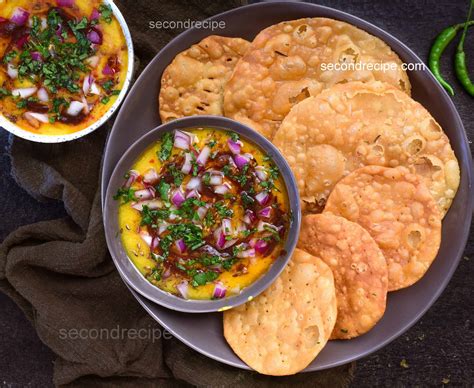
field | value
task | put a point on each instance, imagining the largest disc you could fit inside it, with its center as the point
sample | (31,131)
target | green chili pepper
(460,65)
(439,45)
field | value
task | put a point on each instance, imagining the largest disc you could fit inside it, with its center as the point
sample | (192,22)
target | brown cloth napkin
(60,272)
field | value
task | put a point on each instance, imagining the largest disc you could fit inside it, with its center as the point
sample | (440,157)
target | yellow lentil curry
(203,213)
(62,63)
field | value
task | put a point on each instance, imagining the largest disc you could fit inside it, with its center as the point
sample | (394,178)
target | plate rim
(389,39)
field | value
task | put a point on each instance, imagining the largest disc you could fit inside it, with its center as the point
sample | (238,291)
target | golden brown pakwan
(63,63)
(357,124)
(203,213)
(283,329)
(193,84)
(359,268)
(398,211)
(290,61)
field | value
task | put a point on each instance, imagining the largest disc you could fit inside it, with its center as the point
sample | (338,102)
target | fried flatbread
(282,330)
(398,211)
(193,84)
(359,268)
(357,124)
(292,60)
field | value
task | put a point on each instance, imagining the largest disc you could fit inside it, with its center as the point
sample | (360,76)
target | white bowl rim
(17,131)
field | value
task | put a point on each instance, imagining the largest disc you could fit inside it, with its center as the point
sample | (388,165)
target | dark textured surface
(438,350)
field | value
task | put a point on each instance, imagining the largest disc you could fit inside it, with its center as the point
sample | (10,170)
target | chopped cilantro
(234,136)
(202,278)
(223,210)
(125,195)
(8,57)
(106,13)
(163,188)
(166,146)
(247,200)
(206,178)
(178,176)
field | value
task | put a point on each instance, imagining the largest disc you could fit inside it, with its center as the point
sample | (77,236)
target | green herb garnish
(166,146)
(125,195)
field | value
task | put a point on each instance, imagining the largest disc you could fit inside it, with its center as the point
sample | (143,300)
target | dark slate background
(438,350)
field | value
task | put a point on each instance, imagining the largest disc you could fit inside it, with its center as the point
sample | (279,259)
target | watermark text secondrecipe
(117,333)
(186,24)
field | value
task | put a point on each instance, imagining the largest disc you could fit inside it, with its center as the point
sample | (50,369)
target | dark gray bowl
(203,332)
(128,270)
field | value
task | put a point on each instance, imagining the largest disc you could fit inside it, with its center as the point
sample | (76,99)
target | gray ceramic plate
(203,332)
(135,279)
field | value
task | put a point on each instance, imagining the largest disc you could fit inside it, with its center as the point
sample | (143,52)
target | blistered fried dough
(193,83)
(359,268)
(398,211)
(282,330)
(356,124)
(290,61)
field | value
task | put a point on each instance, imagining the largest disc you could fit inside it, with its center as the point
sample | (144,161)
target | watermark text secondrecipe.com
(116,333)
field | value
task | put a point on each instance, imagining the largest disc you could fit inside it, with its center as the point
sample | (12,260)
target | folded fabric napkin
(60,272)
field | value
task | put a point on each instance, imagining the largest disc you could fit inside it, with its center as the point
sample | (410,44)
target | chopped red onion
(265,225)
(163,227)
(261,246)
(66,3)
(180,245)
(203,156)
(201,211)
(20,16)
(219,291)
(74,108)
(222,189)
(216,179)
(155,242)
(42,117)
(24,92)
(220,238)
(151,204)
(86,84)
(92,61)
(95,89)
(36,56)
(95,15)
(182,140)
(193,194)
(178,197)
(246,254)
(234,146)
(249,217)
(194,183)
(107,70)
(253,242)
(12,71)
(241,160)
(150,176)
(261,173)
(227,226)
(43,95)
(21,41)
(262,197)
(183,289)
(166,274)
(143,194)
(94,36)
(132,177)
(145,236)
(229,243)
(187,166)
(266,212)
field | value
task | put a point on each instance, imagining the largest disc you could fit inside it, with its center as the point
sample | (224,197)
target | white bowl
(17,131)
